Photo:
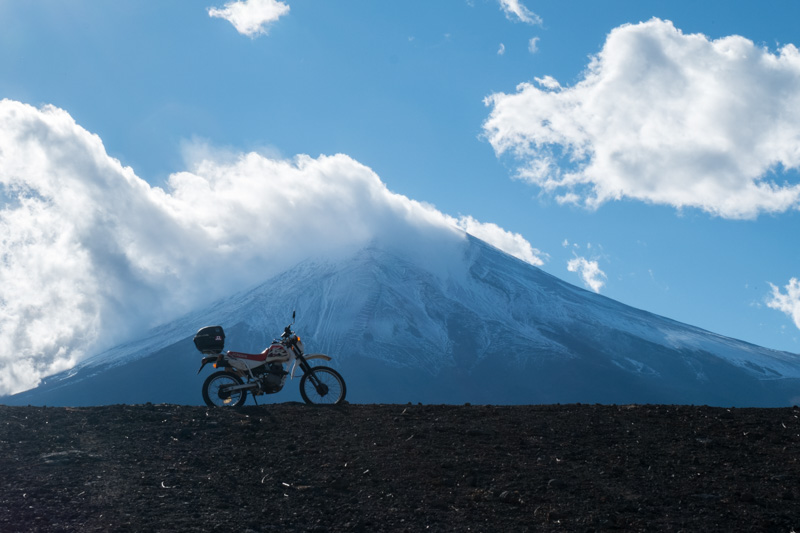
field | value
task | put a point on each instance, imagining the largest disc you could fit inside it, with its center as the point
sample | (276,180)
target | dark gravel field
(290,467)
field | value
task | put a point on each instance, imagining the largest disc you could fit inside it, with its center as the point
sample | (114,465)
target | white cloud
(589,271)
(515,10)
(662,117)
(90,253)
(548,82)
(251,17)
(511,243)
(501,50)
(533,45)
(789,302)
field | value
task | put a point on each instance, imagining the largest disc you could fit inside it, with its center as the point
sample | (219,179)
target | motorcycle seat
(249,356)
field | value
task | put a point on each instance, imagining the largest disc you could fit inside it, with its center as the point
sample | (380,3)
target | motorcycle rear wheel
(214,394)
(323,385)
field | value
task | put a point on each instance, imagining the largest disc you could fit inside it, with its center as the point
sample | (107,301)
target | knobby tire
(332,390)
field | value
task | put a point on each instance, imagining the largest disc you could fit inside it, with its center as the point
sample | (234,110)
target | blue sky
(651,156)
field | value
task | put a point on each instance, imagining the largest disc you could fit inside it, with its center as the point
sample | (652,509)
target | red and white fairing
(275,353)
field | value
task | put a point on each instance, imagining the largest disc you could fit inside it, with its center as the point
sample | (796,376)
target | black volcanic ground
(290,467)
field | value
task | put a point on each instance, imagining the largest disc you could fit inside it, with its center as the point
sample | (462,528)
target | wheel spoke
(217,394)
(322,385)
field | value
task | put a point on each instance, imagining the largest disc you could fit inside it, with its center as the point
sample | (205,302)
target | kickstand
(254,399)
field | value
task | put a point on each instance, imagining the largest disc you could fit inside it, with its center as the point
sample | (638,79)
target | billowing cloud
(788,302)
(589,271)
(511,243)
(662,117)
(251,17)
(90,253)
(516,11)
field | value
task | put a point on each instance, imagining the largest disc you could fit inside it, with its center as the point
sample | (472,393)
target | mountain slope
(480,326)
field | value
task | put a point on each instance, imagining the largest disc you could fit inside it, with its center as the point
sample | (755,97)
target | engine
(272,377)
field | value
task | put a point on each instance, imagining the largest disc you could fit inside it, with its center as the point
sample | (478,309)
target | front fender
(317,356)
(308,358)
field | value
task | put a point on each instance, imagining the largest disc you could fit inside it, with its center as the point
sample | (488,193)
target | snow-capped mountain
(474,326)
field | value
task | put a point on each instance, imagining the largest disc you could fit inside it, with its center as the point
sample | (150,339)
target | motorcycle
(264,373)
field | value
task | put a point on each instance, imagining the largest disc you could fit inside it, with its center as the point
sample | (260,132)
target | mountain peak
(480,326)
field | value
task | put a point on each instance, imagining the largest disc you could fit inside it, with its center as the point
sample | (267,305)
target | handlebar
(288,337)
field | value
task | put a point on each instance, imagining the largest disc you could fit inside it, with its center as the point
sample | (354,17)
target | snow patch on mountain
(380,305)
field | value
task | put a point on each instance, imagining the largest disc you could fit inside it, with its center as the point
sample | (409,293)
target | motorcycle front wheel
(215,395)
(322,385)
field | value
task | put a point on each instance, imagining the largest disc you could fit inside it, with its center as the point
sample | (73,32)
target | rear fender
(218,360)
(207,359)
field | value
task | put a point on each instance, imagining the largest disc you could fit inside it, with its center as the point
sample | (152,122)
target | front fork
(321,388)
